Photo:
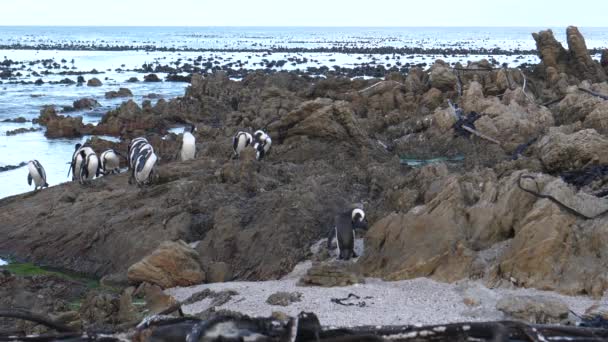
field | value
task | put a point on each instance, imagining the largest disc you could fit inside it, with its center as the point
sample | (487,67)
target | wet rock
(66,81)
(59,126)
(122,92)
(534,309)
(152,78)
(127,119)
(133,80)
(17,120)
(23,130)
(178,78)
(86,104)
(94,82)
(331,275)
(12,167)
(217,298)
(284,298)
(172,264)
(39,82)
(562,152)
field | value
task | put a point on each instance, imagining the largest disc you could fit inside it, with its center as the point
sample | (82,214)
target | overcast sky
(544,13)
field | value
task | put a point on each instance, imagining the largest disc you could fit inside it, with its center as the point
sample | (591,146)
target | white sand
(417,301)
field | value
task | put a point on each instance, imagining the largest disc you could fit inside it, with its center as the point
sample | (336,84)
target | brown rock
(218,272)
(331,275)
(432,98)
(442,78)
(284,298)
(122,92)
(534,309)
(156,300)
(562,152)
(94,82)
(172,264)
(86,103)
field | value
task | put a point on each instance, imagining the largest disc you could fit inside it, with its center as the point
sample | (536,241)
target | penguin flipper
(29,179)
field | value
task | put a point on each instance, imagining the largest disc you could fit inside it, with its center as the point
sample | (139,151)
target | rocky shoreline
(504,215)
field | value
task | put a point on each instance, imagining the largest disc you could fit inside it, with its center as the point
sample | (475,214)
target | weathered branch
(379,83)
(36,318)
(479,134)
(548,103)
(523,89)
(601,96)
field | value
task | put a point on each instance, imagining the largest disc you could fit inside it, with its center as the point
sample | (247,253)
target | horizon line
(305,26)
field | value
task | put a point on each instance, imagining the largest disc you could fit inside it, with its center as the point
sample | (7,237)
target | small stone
(284,298)
(534,309)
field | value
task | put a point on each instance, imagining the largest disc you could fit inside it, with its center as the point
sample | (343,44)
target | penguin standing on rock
(262,147)
(110,163)
(90,167)
(77,159)
(240,141)
(344,232)
(135,147)
(144,167)
(187,150)
(37,174)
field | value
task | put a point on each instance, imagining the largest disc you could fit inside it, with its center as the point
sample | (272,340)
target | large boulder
(172,264)
(85,103)
(534,309)
(559,151)
(442,78)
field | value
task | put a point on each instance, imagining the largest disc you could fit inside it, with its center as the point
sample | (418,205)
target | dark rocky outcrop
(122,92)
(85,104)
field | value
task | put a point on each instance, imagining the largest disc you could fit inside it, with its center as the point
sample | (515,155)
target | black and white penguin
(262,147)
(240,141)
(90,167)
(77,160)
(187,150)
(259,136)
(110,162)
(36,173)
(144,167)
(344,232)
(135,146)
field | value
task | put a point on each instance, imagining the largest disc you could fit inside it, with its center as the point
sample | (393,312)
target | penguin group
(260,141)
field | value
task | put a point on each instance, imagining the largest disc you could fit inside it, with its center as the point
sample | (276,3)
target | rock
(604,60)
(59,126)
(330,275)
(156,300)
(534,309)
(432,98)
(152,78)
(80,79)
(575,61)
(115,280)
(100,309)
(86,103)
(217,298)
(126,310)
(442,78)
(22,130)
(94,82)
(562,152)
(172,264)
(17,120)
(133,80)
(284,298)
(122,92)
(218,272)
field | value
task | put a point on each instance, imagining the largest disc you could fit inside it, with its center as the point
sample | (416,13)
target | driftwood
(36,318)
(306,327)
(523,88)
(601,96)
(380,83)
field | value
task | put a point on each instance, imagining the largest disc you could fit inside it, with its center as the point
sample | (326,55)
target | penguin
(77,160)
(259,136)
(144,167)
(36,173)
(344,232)
(262,147)
(135,148)
(110,163)
(188,147)
(240,141)
(90,167)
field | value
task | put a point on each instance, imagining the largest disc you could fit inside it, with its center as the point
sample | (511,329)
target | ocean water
(116,52)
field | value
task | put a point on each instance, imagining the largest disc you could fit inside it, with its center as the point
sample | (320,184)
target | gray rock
(534,309)
(284,298)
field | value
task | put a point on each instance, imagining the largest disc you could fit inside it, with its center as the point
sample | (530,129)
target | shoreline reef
(508,195)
